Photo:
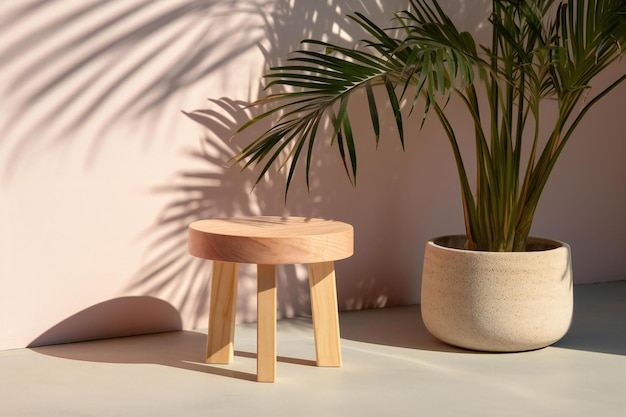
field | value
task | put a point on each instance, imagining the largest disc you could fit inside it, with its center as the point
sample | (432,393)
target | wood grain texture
(266,323)
(267,242)
(325,314)
(271,240)
(220,338)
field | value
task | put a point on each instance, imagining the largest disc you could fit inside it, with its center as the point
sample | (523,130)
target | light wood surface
(271,240)
(267,242)
(266,323)
(325,314)
(220,340)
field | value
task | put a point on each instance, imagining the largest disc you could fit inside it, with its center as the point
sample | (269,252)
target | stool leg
(325,315)
(266,323)
(220,338)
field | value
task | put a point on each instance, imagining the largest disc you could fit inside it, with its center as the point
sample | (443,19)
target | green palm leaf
(541,49)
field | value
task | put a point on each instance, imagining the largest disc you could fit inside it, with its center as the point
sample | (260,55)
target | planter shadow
(393,326)
(598,321)
(597,324)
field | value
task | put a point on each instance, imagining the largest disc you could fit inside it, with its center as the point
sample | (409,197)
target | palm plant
(540,49)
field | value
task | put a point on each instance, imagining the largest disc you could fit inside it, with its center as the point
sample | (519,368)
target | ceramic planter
(497,301)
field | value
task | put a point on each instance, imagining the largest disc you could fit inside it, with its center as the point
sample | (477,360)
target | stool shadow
(284,359)
(226,372)
(180,349)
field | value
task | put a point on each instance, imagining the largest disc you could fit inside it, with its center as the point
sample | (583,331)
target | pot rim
(534,244)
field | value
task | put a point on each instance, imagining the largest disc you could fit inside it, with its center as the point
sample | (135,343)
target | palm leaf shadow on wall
(198,193)
(117,61)
(219,190)
(64,74)
(74,70)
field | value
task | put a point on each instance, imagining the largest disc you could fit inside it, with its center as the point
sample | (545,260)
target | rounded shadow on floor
(118,317)
(180,349)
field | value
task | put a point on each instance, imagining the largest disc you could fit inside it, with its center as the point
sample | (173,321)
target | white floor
(391,367)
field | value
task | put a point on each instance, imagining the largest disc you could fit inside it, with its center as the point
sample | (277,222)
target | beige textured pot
(497,301)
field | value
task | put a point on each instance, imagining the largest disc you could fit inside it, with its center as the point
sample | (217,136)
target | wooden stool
(267,242)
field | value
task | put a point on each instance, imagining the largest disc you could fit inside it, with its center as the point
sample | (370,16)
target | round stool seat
(271,240)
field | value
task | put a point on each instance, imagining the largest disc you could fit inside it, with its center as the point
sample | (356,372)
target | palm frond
(319,80)
(540,49)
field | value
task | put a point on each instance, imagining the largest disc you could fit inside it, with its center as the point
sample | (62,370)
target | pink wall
(101,172)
